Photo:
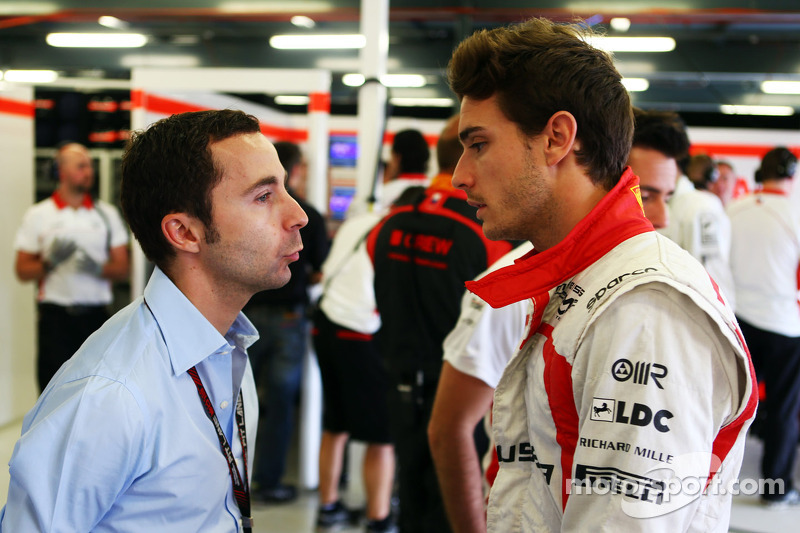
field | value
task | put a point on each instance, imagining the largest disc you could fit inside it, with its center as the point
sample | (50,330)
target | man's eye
(477,146)
(264,197)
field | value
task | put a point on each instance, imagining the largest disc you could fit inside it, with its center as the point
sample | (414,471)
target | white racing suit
(627,406)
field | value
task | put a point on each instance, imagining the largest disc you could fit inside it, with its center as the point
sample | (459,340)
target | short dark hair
(537,68)
(289,155)
(663,131)
(168,168)
(413,150)
(777,164)
(702,171)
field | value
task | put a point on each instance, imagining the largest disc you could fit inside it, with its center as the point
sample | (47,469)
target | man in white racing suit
(627,406)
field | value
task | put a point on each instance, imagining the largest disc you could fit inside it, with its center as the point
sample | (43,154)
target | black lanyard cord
(241,488)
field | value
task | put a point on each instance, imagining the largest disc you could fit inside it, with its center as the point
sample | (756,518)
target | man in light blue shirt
(125,437)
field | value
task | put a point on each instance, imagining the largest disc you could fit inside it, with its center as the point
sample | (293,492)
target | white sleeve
(29,238)
(654,381)
(484,339)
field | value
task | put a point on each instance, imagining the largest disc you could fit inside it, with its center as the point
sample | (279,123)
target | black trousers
(61,331)
(421,504)
(776,359)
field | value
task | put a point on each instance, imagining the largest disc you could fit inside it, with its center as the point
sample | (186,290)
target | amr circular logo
(622,370)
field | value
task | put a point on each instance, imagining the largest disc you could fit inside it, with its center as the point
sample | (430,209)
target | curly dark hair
(537,68)
(169,168)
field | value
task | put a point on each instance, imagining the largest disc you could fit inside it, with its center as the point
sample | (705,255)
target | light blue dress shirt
(119,440)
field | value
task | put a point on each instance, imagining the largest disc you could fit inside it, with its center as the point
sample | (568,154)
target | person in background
(479,347)
(407,166)
(699,224)
(725,185)
(421,254)
(73,247)
(546,126)
(765,260)
(281,317)
(346,327)
(660,142)
(475,353)
(146,427)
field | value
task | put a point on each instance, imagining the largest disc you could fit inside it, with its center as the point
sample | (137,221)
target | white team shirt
(765,257)
(348,297)
(699,225)
(93,232)
(484,339)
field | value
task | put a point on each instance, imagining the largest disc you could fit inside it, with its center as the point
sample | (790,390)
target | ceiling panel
(724,49)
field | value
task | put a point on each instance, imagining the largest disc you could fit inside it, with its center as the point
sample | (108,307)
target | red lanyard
(241,488)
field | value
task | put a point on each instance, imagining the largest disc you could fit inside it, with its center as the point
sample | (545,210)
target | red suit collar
(61,204)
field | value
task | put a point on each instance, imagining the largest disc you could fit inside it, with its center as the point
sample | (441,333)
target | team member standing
(632,369)
(478,349)
(699,224)
(765,259)
(73,246)
(281,318)
(422,254)
(146,428)
(407,166)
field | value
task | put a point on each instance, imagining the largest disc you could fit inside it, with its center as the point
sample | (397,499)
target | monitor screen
(343,151)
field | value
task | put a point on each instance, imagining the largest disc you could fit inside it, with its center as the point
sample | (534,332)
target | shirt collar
(617,217)
(413,176)
(443,182)
(189,336)
(769,190)
(87,201)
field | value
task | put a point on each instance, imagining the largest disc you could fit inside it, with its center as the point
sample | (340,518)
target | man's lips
(476,204)
(294,256)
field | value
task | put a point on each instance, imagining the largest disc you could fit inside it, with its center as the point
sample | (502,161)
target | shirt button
(223,405)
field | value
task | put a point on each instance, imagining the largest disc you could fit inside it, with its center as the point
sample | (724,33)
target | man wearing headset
(73,246)
(765,257)
(699,224)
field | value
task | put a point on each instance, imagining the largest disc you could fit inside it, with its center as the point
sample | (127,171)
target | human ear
(182,232)
(560,133)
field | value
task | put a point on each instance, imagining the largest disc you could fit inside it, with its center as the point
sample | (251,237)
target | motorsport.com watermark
(646,497)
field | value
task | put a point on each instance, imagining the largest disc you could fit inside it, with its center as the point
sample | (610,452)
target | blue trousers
(277,361)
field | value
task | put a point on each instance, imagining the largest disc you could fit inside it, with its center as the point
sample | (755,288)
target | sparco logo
(608,410)
(639,373)
(614,282)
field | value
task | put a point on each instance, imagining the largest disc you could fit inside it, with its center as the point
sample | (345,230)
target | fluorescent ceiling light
(780,87)
(635,85)
(159,60)
(389,80)
(303,21)
(633,44)
(97,40)
(288,99)
(112,22)
(28,7)
(30,76)
(422,102)
(769,110)
(317,42)
(620,24)
(272,6)
(346,64)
